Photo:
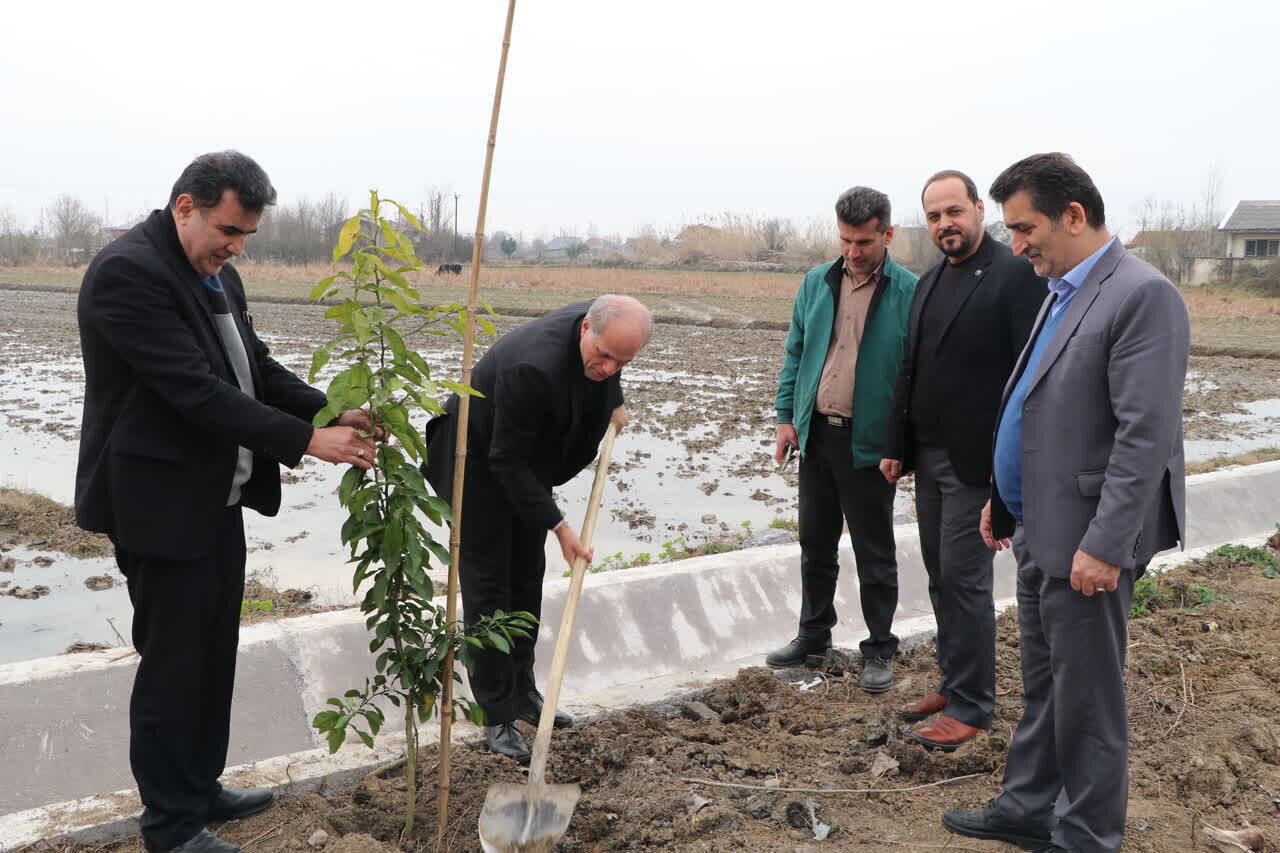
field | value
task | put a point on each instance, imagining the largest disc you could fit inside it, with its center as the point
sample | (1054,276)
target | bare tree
(776,233)
(74,228)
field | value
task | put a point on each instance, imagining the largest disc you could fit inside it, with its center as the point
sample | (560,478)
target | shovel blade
(526,818)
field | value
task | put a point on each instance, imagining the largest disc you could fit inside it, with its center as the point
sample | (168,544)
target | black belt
(834,420)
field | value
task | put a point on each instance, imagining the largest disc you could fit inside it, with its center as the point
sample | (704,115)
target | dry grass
(28,518)
(1252,457)
(1224,321)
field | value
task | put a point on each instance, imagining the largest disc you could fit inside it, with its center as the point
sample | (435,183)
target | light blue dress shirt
(1008,455)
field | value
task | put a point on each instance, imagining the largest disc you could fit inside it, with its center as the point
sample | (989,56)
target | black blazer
(978,350)
(539,422)
(163,411)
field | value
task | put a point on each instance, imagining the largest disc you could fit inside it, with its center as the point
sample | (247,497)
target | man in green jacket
(843,353)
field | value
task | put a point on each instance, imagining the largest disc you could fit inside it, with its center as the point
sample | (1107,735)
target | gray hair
(611,306)
(859,205)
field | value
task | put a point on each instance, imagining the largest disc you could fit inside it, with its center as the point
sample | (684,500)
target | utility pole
(455,225)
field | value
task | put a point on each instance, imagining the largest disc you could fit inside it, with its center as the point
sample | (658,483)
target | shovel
(531,818)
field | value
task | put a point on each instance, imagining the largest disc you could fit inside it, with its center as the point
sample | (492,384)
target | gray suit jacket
(1102,465)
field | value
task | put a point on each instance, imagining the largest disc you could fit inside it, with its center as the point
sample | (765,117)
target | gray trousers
(1070,752)
(959,566)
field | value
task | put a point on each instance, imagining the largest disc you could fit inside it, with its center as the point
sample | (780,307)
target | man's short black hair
(860,205)
(969,186)
(1053,181)
(210,175)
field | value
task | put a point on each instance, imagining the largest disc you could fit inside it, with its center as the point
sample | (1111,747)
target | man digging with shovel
(550,389)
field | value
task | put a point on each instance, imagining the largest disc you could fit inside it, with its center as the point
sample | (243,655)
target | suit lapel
(1080,304)
(967,287)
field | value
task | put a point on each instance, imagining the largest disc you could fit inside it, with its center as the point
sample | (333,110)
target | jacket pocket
(1090,482)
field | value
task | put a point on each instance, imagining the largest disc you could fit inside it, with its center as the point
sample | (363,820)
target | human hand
(786,436)
(984,527)
(341,445)
(892,469)
(620,418)
(571,546)
(1090,575)
(360,419)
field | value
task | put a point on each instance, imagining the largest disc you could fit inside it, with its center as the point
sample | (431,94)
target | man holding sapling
(550,389)
(187,419)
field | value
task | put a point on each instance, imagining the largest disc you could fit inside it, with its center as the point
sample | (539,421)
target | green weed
(1260,557)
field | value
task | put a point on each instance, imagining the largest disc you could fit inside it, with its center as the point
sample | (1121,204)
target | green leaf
(410,218)
(350,482)
(500,643)
(319,359)
(398,350)
(324,720)
(459,389)
(346,237)
(336,738)
(364,736)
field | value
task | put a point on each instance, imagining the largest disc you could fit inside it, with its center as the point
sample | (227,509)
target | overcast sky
(617,115)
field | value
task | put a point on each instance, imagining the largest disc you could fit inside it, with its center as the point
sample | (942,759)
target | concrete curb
(643,634)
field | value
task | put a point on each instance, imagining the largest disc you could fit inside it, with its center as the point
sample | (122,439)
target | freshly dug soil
(1204,719)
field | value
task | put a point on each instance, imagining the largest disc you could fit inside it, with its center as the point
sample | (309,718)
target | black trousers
(833,492)
(186,626)
(948,511)
(501,567)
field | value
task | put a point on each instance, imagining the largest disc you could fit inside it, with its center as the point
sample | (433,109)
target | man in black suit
(550,389)
(970,317)
(187,419)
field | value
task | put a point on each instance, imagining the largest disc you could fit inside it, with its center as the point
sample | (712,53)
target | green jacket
(879,354)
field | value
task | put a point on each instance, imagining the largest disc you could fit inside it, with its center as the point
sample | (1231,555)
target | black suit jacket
(978,350)
(539,422)
(163,411)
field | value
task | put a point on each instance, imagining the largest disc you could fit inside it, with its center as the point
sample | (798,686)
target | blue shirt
(1008,455)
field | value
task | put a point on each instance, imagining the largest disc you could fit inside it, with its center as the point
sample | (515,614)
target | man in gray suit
(1089,484)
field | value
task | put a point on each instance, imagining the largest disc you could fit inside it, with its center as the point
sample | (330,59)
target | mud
(1204,725)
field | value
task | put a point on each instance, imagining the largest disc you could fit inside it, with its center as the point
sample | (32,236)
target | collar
(1066,286)
(875,273)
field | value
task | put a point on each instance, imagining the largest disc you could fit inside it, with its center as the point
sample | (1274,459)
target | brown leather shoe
(921,708)
(945,733)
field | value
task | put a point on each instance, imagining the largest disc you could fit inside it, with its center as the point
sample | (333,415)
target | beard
(962,248)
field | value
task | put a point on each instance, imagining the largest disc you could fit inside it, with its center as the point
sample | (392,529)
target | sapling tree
(380,312)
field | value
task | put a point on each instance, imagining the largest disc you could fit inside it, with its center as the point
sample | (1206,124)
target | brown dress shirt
(835,388)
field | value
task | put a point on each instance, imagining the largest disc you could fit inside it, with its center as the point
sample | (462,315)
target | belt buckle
(835,420)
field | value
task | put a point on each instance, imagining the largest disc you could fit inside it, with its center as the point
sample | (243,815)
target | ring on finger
(360,453)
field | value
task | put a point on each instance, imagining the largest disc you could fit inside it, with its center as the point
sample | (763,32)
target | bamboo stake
(460,445)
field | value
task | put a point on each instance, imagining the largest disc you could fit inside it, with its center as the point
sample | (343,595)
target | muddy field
(1204,722)
(694,466)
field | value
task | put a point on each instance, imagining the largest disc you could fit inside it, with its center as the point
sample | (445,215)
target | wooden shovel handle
(542,741)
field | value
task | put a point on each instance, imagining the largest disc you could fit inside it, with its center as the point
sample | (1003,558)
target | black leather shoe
(991,824)
(795,653)
(877,675)
(237,803)
(204,841)
(505,739)
(529,709)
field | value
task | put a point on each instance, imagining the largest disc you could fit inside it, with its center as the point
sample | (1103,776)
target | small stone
(8,564)
(773,783)
(43,561)
(709,518)
(698,711)
(318,839)
(97,583)
(759,806)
